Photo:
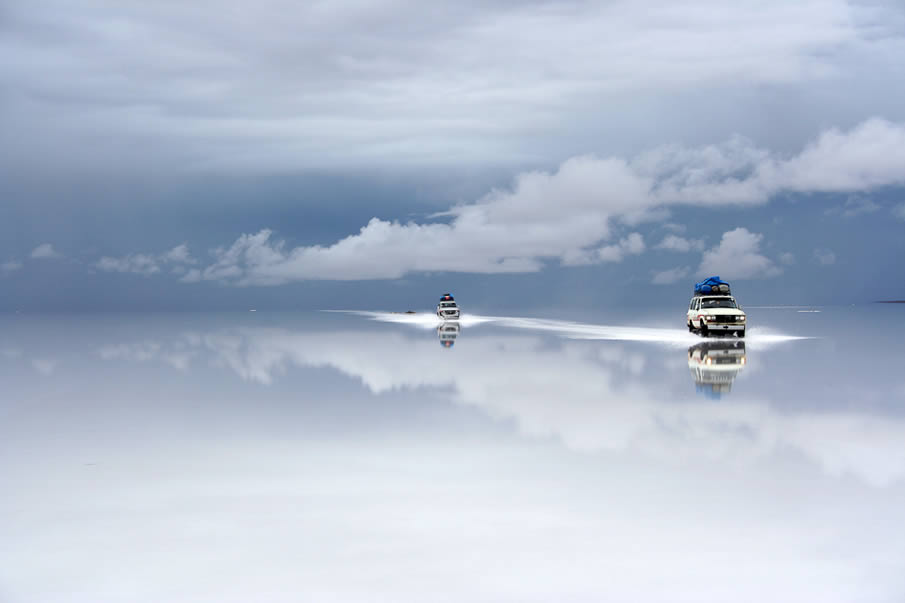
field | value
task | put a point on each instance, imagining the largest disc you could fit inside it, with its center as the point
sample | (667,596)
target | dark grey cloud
(275,85)
(129,128)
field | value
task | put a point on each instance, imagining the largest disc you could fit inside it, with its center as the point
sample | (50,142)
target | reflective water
(362,457)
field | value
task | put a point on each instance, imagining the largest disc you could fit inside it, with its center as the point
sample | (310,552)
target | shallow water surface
(380,456)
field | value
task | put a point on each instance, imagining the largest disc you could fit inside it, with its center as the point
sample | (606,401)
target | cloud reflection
(591,396)
(193,458)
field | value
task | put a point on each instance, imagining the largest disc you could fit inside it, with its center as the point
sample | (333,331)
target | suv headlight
(741,318)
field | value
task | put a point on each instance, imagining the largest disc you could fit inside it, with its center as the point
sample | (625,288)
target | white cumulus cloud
(738,257)
(10,266)
(146,264)
(680,244)
(138,263)
(899,211)
(633,244)
(179,254)
(668,277)
(855,205)
(864,158)
(574,215)
(824,257)
(868,156)
(45,251)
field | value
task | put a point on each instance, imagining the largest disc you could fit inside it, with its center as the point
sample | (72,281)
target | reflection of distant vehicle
(447,308)
(447,332)
(715,364)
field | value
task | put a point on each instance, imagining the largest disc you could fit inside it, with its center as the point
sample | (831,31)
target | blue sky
(349,154)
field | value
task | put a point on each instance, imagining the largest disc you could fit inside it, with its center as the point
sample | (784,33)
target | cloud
(633,244)
(569,215)
(667,277)
(10,266)
(564,215)
(191,276)
(854,206)
(44,366)
(179,254)
(787,258)
(738,257)
(147,265)
(472,82)
(45,251)
(825,257)
(138,264)
(680,244)
(863,158)
(899,211)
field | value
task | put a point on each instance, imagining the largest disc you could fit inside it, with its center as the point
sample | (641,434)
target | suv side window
(691,305)
(697,304)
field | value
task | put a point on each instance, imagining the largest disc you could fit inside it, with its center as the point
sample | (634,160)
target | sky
(374,154)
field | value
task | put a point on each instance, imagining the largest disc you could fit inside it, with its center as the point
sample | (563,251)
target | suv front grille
(726,319)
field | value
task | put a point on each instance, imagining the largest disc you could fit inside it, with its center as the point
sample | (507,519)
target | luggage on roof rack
(712,286)
(447,297)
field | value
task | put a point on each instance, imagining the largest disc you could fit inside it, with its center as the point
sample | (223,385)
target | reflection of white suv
(709,314)
(715,364)
(447,332)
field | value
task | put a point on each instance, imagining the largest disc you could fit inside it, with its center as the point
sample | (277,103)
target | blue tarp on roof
(712,285)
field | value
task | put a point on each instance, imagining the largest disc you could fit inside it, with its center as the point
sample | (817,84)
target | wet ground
(381,456)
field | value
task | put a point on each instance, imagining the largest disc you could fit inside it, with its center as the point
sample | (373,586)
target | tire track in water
(756,337)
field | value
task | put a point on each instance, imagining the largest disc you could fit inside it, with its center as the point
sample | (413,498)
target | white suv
(710,314)
(447,308)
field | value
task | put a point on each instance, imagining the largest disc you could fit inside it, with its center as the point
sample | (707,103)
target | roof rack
(712,286)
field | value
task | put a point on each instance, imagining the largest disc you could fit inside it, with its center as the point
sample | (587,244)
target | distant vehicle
(712,310)
(447,308)
(715,364)
(447,333)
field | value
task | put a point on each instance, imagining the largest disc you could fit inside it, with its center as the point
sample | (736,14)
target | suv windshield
(447,304)
(718,303)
